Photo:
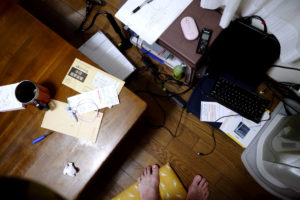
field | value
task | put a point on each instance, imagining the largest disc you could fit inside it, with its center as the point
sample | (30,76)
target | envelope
(83,77)
(59,120)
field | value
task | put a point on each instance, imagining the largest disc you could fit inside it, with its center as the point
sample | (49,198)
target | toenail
(155,166)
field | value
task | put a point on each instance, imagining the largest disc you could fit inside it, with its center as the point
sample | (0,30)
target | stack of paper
(81,117)
(8,101)
(104,53)
(153,18)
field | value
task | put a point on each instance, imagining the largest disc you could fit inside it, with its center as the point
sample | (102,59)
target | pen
(71,112)
(42,137)
(140,6)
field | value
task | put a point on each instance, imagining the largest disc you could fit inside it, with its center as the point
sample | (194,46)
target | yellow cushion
(170,187)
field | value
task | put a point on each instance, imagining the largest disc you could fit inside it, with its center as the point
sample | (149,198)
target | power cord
(124,44)
(284,67)
(165,78)
(162,125)
(213,136)
(281,89)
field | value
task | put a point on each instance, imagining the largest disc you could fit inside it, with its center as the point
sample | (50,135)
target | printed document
(212,111)
(153,18)
(83,77)
(242,130)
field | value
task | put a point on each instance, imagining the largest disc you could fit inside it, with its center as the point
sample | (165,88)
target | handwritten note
(8,101)
(152,19)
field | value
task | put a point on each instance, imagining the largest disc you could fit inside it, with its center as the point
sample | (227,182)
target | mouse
(189,28)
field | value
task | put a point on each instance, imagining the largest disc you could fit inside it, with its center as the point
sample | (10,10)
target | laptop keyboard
(244,102)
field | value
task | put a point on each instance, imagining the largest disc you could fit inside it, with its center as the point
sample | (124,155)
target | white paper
(212,111)
(8,99)
(94,100)
(230,124)
(153,18)
(103,52)
(70,169)
(101,80)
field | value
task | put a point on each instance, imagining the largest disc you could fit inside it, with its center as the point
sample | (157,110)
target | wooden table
(31,51)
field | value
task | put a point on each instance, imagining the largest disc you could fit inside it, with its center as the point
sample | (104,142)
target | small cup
(177,72)
(30,93)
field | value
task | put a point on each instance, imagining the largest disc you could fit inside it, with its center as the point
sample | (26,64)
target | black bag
(244,51)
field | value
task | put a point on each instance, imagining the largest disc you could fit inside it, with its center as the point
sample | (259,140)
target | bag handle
(248,20)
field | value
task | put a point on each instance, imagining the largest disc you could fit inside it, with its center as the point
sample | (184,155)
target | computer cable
(162,125)
(124,44)
(89,7)
(214,138)
(178,124)
(164,78)
(284,67)
(268,84)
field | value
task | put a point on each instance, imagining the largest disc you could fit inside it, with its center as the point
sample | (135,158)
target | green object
(177,72)
(164,89)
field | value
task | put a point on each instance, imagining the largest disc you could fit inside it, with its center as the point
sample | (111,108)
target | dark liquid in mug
(25,91)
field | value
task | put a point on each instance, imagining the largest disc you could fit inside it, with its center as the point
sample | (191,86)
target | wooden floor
(227,177)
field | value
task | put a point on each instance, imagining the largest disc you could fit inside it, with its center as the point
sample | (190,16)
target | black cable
(281,99)
(176,130)
(89,7)
(162,125)
(214,147)
(284,67)
(155,126)
(124,44)
(213,134)
(214,138)
(166,96)
(93,21)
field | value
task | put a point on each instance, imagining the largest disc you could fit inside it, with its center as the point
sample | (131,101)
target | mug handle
(38,105)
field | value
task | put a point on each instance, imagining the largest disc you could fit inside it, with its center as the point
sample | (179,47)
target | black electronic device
(243,51)
(238,99)
(203,41)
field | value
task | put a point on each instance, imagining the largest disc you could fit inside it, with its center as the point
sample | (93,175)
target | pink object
(189,28)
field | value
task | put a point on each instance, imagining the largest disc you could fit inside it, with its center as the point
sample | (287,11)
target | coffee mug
(30,93)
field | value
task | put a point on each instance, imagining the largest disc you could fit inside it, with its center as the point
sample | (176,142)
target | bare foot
(148,183)
(198,190)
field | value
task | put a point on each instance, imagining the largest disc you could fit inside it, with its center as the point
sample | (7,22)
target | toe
(196,180)
(155,170)
(139,179)
(148,170)
(206,194)
(202,182)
